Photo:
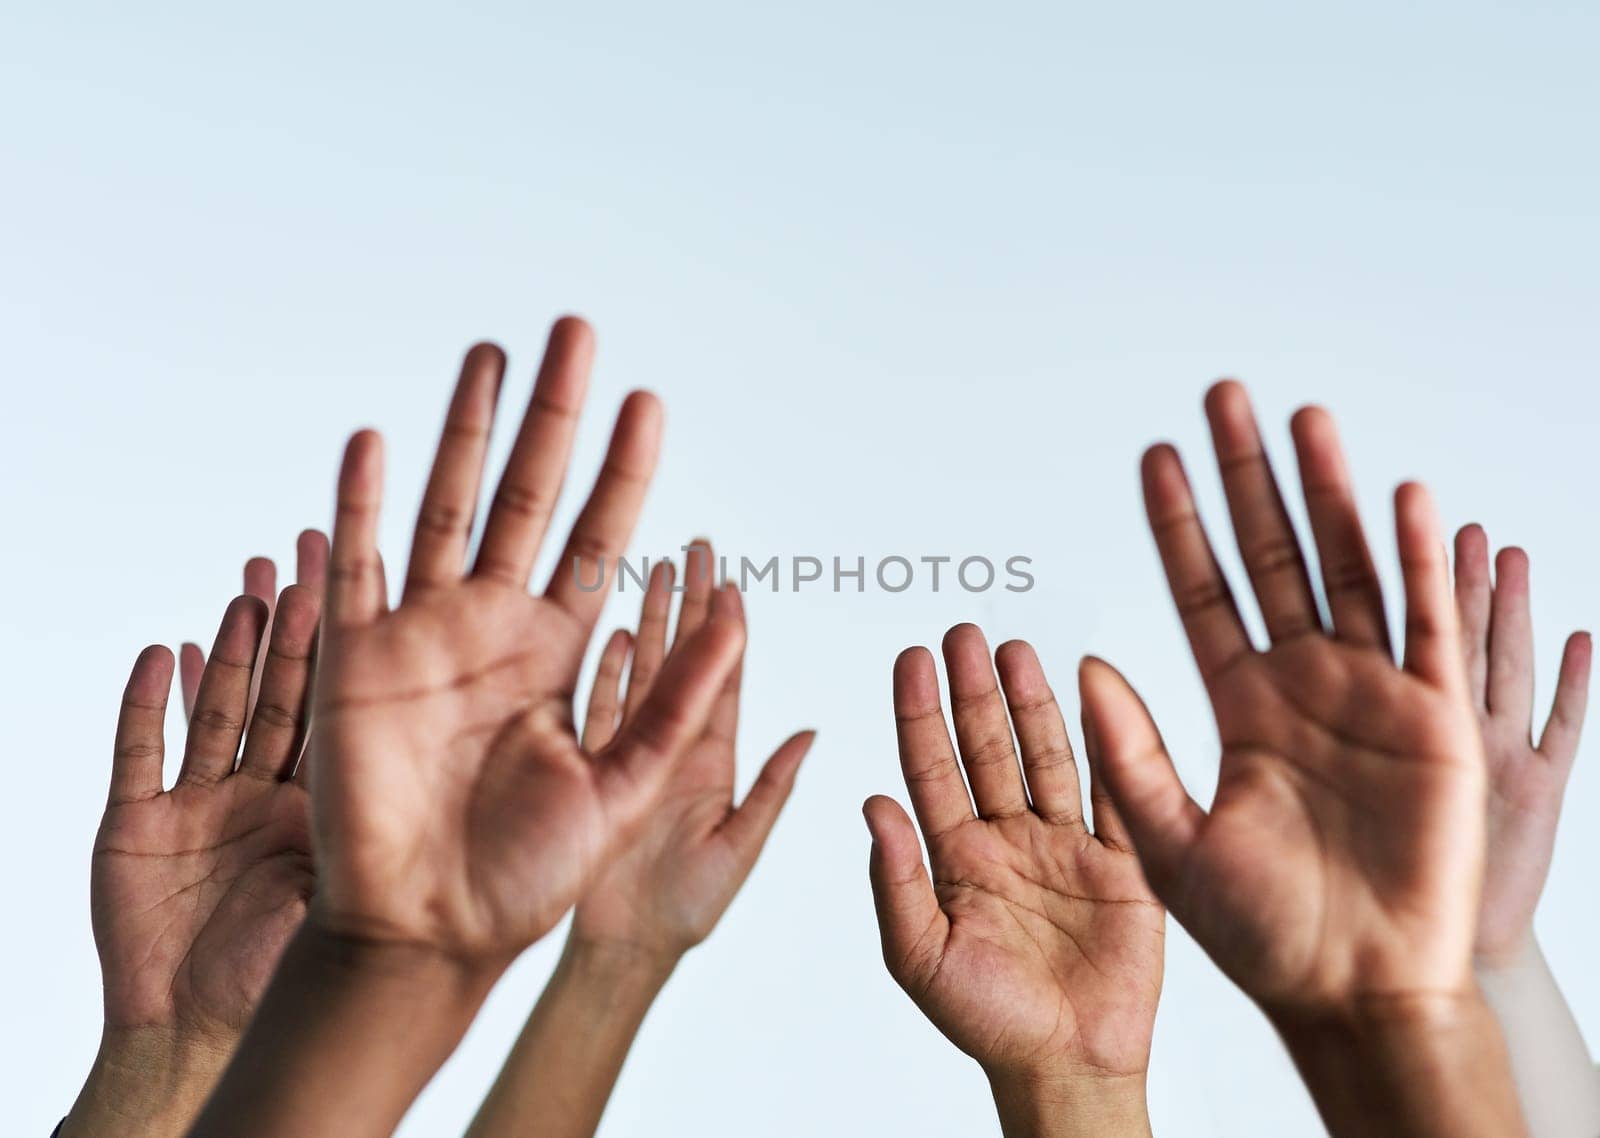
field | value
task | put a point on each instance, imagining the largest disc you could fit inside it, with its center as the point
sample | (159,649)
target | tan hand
(1036,947)
(454,807)
(1340,861)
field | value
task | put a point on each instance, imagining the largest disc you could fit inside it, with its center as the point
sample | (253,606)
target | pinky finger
(140,746)
(1432,642)
(1560,739)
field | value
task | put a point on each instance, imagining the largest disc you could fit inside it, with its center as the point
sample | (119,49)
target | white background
(912,279)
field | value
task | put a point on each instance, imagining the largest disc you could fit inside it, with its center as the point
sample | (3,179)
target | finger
(698,585)
(450,501)
(983,730)
(911,925)
(748,826)
(220,705)
(261,582)
(673,715)
(1473,590)
(311,561)
(1510,685)
(724,726)
(1261,525)
(651,646)
(589,562)
(261,579)
(1217,636)
(1433,640)
(1109,828)
(1349,576)
(191,665)
(1047,759)
(1559,742)
(600,722)
(531,482)
(277,723)
(1160,817)
(140,746)
(356,593)
(928,761)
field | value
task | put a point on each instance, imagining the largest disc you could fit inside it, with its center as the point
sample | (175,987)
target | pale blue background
(913,278)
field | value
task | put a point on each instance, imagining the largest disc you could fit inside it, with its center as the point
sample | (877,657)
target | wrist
(1415,1064)
(1507,959)
(615,965)
(146,1080)
(1065,1102)
(342,950)
(401,1006)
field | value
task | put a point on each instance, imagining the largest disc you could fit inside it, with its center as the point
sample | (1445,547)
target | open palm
(1341,857)
(1036,945)
(1526,779)
(666,891)
(197,889)
(454,806)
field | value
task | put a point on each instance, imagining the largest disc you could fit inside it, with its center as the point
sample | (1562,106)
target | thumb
(1151,803)
(747,827)
(910,923)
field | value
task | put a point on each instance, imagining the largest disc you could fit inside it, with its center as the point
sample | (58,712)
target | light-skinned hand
(1526,779)
(666,891)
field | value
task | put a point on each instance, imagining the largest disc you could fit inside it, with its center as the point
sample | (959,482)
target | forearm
(1430,1066)
(1057,1105)
(561,1071)
(347,1035)
(1555,1076)
(149,1081)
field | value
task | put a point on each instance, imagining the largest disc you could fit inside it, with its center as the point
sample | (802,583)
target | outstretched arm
(1556,1081)
(455,815)
(1335,877)
(661,896)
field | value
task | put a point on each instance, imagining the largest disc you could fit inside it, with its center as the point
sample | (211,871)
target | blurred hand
(1036,946)
(1526,781)
(1340,863)
(454,808)
(666,891)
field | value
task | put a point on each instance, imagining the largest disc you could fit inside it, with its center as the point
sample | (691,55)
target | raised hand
(1336,875)
(1555,1076)
(456,817)
(196,889)
(1036,946)
(1526,780)
(454,805)
(667,890)
(661,895)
